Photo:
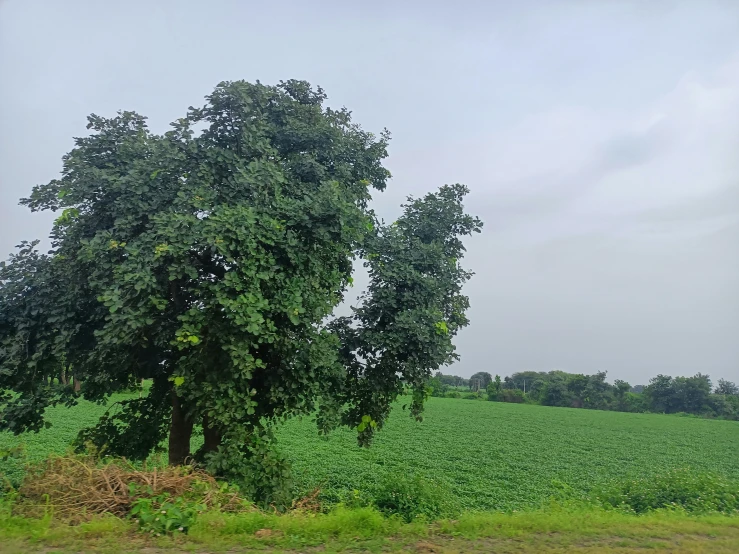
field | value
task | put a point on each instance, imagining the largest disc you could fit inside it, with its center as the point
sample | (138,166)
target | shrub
(264,476)
(725,406)
(635,403)
(698,492)
(514,396)
(472,396)
(453,394)
(436,388)
(353,499)
(414,497)
(161,515)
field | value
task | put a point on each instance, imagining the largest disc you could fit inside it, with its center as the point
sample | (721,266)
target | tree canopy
(664,394)
(480,380)
(726,388)
(210,259)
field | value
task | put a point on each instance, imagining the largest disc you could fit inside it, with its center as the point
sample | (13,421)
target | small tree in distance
(495,388)
(211,263)
(480,380)
(726,388)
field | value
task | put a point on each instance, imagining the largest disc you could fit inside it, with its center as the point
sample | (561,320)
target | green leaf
(252,245)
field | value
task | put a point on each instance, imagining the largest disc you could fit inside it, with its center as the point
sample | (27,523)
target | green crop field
(493,456)
(512,456)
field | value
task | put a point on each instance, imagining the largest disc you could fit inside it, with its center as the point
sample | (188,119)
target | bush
(472,396)
(258,468)
(514,396)
(351,499)
(414,497)
(436,388)
(725,406)
(453,394)
(162,515)
(698,492)
(635,403)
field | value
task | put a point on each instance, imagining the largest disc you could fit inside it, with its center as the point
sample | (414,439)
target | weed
(414,497)
(162,515)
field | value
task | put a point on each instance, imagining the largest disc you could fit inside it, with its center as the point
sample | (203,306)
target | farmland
(503,456)
(491,456)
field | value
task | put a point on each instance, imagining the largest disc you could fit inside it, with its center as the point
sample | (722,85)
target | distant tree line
(664,394)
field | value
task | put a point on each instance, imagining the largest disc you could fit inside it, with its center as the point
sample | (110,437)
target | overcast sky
(600,140)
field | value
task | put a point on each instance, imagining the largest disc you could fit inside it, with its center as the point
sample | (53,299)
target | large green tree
(210,259)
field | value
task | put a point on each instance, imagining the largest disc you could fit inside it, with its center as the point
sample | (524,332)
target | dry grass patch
(77,487)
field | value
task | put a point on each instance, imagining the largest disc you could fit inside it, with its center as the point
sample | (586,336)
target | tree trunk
(211,435)
(63,377)
(77,383)
(180,431)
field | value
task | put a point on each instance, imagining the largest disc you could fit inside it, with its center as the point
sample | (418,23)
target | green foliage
(554,529)
(514,396)
(500,456)
(264,475)
(635,403)
(134,428)
(480,380)
(66,424)
(494,389)
(436,387)
(11,453)
(493,456)
(393,340)
(727,388)
(414,497)
(162,515)
(664,394)
(211,262)
(724,406)
(452,380)
(497,393)
(691,490)
(679,394)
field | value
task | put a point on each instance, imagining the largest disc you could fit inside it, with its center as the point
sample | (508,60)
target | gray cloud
(599,140)
(629,150)
(721,203)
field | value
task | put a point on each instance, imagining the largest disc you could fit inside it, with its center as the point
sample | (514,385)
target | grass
(502,463)
(365,530)
(489,455)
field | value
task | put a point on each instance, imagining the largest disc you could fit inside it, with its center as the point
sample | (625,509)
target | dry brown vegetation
(80,487)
